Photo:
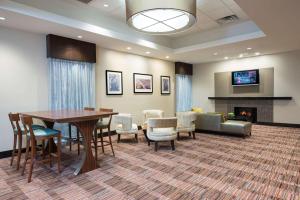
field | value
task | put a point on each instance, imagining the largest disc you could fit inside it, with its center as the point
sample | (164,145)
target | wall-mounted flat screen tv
(247,77)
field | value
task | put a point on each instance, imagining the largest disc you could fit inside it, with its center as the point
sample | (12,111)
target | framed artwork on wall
(114,83)
(142,83)
(165,85)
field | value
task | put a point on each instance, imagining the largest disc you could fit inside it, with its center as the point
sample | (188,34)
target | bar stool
(34,135)
(104,123)
(18,130)
(77,139)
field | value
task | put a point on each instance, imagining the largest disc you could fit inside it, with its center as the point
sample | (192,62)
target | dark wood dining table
(85,121)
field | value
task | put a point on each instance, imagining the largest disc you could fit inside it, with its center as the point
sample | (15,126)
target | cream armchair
(124,125)
(150,114)
(162,130)
(186,123)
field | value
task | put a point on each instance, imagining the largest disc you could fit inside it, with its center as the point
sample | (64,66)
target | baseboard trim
(6,154)
(221,133)
(279,124)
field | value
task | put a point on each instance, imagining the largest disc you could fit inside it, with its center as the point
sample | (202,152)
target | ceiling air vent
(85,1)
(227,19)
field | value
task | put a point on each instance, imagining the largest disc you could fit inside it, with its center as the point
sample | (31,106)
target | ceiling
(259,27)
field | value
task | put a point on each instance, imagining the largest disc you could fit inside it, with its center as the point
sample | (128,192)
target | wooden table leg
(88,161)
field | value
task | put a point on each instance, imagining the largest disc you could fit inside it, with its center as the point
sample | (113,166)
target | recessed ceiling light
(148,52)
(79,36)
(105,5)
(249,48)
(2,18)
(167,57)
(257,53)
(241,55)
(226,58)
(128,48)
(215,54)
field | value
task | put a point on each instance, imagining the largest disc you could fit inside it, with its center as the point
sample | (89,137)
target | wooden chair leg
(96,144)
(136,138)
(14,150)
(178,137)
(26,155)
(190,134)
(173,145)
(194,135)
(50,151)
(70,137)
(119,138)
(32,160)
(101,138)
(43,149)
(59,153)
(110,142)
(156,146)
(78,142)
(19,151)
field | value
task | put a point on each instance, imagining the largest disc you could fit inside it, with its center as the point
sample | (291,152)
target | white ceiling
(262,28)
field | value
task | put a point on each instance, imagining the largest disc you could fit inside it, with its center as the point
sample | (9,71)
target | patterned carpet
(264,166)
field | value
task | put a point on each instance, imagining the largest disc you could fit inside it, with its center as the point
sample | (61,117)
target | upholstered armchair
(124,125)
(186,123)
(162,130)
(150,114)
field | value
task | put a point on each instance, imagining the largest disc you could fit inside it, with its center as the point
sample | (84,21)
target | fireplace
(246,114)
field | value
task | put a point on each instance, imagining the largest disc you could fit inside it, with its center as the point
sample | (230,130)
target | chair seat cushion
(162,134)
(45,132)
(34,127)
(134,129)
(185,129)
(101,124)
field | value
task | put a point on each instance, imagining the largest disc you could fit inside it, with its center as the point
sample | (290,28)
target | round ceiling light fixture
(161,16)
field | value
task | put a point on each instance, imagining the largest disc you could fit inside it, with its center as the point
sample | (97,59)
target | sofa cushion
(238,127)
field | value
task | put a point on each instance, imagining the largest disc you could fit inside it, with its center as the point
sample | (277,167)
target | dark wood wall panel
(183,68)
(70,49)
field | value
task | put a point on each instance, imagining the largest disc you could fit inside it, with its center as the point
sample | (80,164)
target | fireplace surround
(264,108)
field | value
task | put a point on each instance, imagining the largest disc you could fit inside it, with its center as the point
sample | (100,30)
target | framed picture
(114,83)
(165,85)
(142,83)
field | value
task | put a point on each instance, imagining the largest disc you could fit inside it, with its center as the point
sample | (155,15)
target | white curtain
(183,93)
(71,86)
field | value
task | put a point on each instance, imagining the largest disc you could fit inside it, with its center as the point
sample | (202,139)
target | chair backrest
(125,120)
(89,109)
(152,114)
(162,123)
(14,119)
(106,110)
(186,119)
(27,123)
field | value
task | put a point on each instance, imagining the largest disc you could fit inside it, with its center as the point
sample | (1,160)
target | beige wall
(23,77)
(24,84)
(286,82)
(130,102)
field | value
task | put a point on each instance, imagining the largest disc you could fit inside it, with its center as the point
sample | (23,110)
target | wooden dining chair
(18,131)
(77,139)
(104,123)
(35,135)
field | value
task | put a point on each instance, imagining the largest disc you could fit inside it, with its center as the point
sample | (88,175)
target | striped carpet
(264,166)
